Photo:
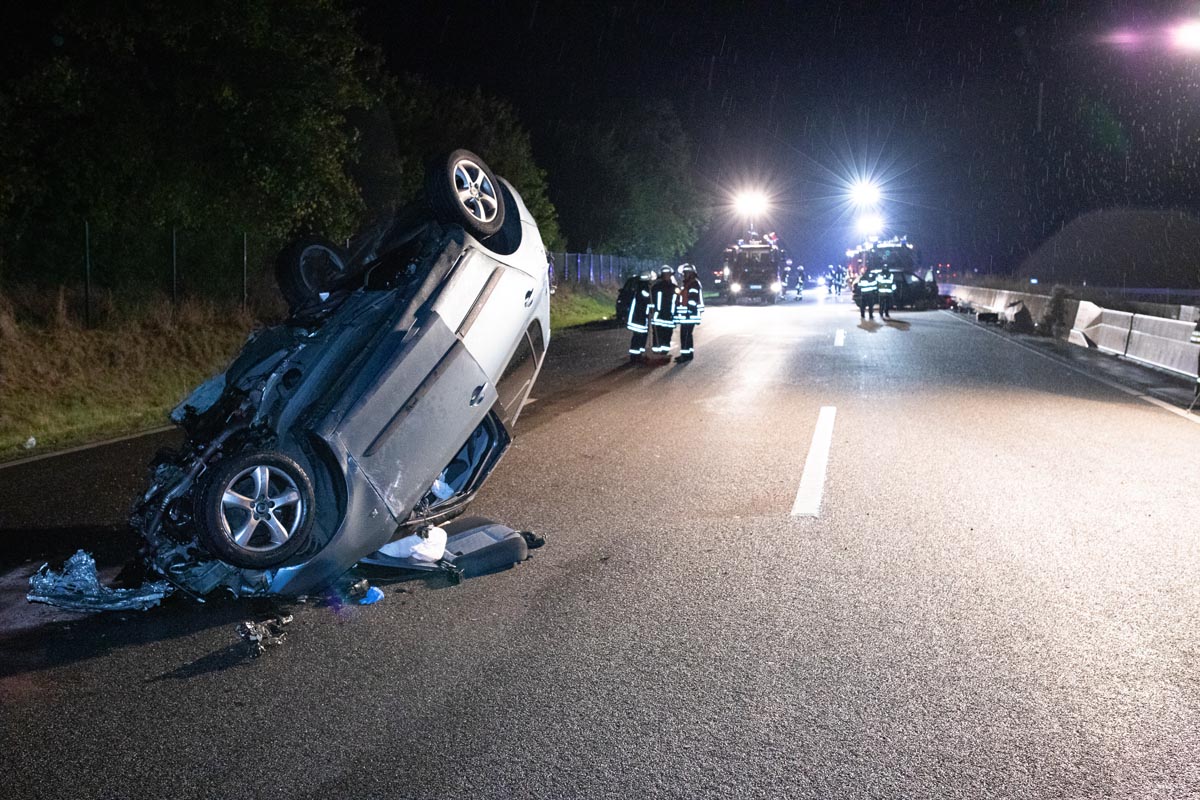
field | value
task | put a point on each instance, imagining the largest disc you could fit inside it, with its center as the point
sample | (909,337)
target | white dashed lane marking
(812,482)
(839,338)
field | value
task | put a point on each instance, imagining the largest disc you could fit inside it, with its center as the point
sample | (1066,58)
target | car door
(497,321)
(426,396)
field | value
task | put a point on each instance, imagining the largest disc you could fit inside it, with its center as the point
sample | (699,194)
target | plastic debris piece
(258,636)
(30,443)
(532,540)
(78,588)
(373,596)
(427,544)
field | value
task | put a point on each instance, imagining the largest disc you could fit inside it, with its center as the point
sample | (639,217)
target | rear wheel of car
(307,268)
(462,190)
(256,510)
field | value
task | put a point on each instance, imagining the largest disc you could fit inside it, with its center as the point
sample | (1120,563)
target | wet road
(991,593)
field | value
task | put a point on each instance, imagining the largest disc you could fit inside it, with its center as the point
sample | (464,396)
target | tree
(624,182)
(423,118)
(216,118)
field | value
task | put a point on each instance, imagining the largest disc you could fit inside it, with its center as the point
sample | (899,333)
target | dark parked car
(379,407)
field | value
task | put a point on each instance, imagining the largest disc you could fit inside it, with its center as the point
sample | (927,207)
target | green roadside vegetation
(572,306)
(62,384)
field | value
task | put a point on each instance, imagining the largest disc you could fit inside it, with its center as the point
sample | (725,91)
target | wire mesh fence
(229,269)
(597,268)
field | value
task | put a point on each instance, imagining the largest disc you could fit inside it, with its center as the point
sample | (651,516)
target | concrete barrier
(1163,343)
(1101,328)
(1154,340)
(1010,306)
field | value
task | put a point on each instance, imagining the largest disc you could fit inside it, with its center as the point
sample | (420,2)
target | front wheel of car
(256,510)
(463,191)
(308,267)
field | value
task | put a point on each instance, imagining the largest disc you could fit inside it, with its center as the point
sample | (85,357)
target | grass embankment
(63,384)
(578,305)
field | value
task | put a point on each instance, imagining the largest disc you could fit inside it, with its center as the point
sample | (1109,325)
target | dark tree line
(229,116)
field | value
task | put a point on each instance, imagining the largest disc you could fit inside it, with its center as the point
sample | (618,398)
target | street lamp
(864,193)
(1186,36)
(870,224)
(749,205)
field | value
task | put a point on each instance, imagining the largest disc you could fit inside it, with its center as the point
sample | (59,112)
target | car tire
(463,191)
(308,267)
(256,510)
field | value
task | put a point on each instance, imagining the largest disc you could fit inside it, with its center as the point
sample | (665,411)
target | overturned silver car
(378,408)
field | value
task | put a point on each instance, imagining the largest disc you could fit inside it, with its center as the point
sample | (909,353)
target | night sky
(937,101)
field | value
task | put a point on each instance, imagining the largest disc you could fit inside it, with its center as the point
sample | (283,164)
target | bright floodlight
(864,193)
(870,225)
(1186,36)
(750,204)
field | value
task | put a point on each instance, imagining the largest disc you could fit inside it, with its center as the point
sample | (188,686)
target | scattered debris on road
(258,636)
(364,594)
(78,588)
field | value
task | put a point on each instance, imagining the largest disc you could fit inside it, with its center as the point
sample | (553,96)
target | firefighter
(638,320)
(687,313)
(663,297)
(868,295)
(887,286)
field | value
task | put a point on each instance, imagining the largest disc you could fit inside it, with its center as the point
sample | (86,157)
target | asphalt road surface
(993,594)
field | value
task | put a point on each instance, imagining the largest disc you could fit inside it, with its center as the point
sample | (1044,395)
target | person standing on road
(687,314)
(868,295)
(638,320)
(887,286)
(663,297)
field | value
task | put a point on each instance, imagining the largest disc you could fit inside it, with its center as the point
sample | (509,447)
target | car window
(514,382)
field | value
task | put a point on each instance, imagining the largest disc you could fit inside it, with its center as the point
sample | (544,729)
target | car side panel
(409,424)
(495,327)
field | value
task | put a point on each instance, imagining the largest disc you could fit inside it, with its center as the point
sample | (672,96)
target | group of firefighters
(876,287)
(661,308)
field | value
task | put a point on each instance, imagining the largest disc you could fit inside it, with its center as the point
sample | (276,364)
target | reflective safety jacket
(663,299)
(639,310)
(886,283)
(691,302)
(867,284)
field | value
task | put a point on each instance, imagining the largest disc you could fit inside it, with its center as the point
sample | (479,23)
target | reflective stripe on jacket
(887,283)
(639,312)
(663,303)
(866,284)
(692,306)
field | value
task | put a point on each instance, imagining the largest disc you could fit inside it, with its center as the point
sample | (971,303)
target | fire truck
(752,269)
(915,288)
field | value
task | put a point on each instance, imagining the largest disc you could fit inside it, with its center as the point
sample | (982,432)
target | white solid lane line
(1154,401)
(812,482)
(839,338)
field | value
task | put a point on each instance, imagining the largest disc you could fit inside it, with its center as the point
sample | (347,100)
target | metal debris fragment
(357,590)
(78,588)
(258,636)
